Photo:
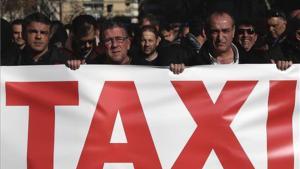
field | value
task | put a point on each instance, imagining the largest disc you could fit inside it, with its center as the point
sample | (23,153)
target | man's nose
(38,35)
(219,35)
(114,42)
(20,35)
(146,43)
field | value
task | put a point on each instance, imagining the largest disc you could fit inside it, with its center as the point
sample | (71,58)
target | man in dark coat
(37,50)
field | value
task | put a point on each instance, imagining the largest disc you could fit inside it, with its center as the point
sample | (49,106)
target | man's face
(221,33)
(17,34)
(116,44)
(86,42)
(276,26)
(149,43)
(168,35)
(246,36)
(37,35)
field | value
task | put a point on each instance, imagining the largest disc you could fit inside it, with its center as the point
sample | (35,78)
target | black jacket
(51,57)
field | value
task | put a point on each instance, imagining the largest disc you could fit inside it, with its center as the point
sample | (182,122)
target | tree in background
(13,9)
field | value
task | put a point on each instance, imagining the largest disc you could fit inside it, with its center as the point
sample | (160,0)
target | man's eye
(44,32)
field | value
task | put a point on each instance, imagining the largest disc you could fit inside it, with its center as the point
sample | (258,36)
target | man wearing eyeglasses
(116,42)
(83,48)
(219,48)
(246,38)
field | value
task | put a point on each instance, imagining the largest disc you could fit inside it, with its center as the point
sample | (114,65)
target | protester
(148,54)
(83,45)
(277,27)
(17,33)
(37,50)
(210,43)
(149,19)
(170,31)
(58,34)
(219,48)
(116,43)
(13,55)
(246,37)
(194,40)
(291,47)
(6,40)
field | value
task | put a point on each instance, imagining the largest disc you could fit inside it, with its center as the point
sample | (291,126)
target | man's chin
(221,50)
(116,58)
(38,49)
(20,44)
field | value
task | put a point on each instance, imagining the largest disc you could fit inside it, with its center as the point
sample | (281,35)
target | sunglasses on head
(248,31)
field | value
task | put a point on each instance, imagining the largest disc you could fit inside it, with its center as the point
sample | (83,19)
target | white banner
(134,117)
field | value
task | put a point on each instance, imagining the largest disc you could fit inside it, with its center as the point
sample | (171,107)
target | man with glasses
(219,48)
(115,43)
(246,38)
(83,48)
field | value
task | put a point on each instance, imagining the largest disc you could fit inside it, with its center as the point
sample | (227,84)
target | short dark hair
(111,23)
(247,22)
(218,13)
(152,19)
(196,27)
(276,13)
(17,22)
(36,17)
(82,24)
(149,28)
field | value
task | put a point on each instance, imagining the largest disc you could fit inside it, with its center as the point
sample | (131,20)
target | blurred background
(179,10)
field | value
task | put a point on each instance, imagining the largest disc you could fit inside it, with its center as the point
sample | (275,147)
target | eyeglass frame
(250,31)
(118,39)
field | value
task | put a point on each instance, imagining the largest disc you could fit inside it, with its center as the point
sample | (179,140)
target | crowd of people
(219,39)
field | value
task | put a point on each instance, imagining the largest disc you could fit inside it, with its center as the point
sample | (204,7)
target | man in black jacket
(37,50)
(219,49)
(246,39)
